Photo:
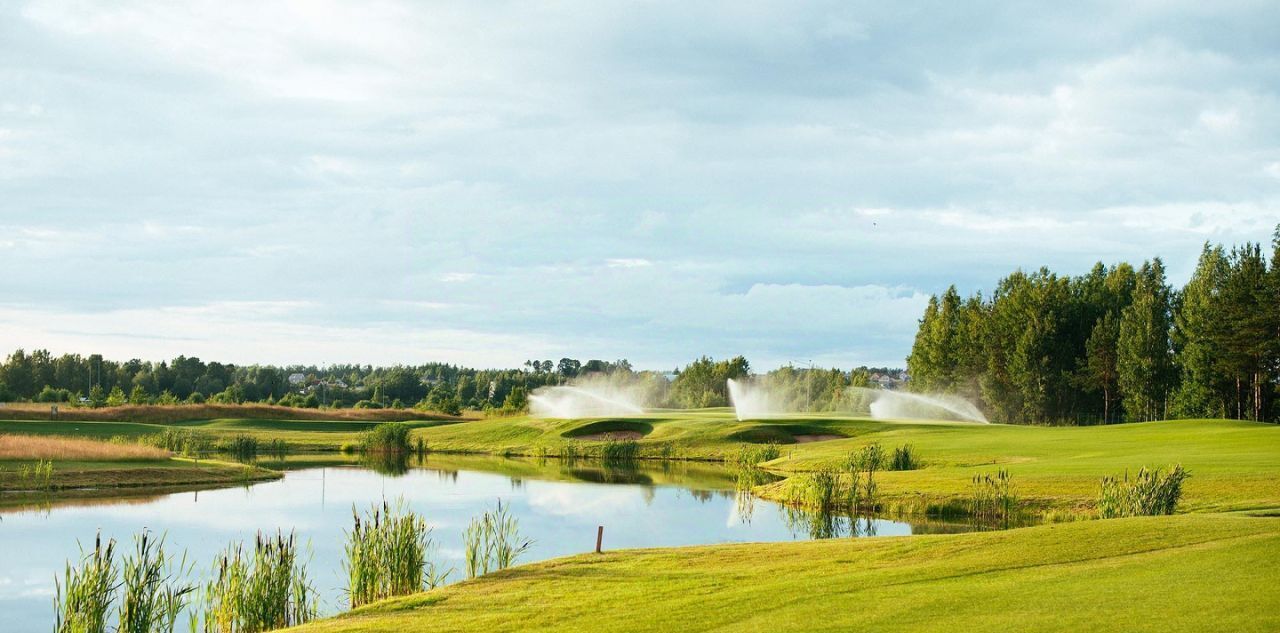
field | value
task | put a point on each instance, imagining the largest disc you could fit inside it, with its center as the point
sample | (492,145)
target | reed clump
(388,553)
(387,438)
(82,599)
(155,590)
(493,542)
(262,591)
(993,497)
(1153,492)
(819,490)
(619,450)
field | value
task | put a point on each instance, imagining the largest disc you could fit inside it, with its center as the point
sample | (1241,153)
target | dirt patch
(611,435)
(820,437)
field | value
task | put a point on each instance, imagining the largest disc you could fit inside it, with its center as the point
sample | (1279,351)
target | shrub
(1151,493)
(904,458)
(366,404)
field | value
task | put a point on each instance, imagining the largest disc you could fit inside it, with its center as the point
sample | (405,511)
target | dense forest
(1116,344)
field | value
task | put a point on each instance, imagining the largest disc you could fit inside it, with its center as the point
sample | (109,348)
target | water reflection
(559,505)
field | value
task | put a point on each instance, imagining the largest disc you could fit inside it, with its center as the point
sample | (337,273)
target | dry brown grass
(165,414)
(33,447)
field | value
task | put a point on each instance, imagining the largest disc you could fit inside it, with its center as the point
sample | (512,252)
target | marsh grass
(572,451)
(1151,493)
(278,448)
(82,599)
(993,497)
(267,591)
(155,590)
(388,553)
(493,542)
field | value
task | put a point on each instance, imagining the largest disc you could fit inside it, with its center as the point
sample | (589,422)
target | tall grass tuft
(905,458)
(1151,493)
(155,591)
(819,490)
(387,438)
(278,448)
(993,497)
(865,461)
(262,593)
(493,542)
(82,599)
(619,450)
(389,554)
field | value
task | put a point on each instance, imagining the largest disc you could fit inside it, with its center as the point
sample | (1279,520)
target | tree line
(42,377)
(1116,344)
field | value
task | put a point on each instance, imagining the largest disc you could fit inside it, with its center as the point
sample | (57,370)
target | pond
(558,504)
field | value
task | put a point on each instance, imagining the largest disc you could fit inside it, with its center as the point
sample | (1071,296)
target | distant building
(297,379)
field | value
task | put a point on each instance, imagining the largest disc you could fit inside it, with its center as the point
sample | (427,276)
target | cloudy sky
(485,182)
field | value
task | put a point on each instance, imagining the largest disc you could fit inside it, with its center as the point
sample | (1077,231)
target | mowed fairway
(1182,573)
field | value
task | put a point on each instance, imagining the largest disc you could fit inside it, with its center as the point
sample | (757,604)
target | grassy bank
(1182,573)
(43,469)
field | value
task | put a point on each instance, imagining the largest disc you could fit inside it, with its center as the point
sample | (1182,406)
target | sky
(487,182)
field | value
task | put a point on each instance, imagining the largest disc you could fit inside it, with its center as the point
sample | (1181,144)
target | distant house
(297,379)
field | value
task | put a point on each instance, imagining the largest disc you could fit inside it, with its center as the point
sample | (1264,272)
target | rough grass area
(169,414)
(1184,573)
(35,447)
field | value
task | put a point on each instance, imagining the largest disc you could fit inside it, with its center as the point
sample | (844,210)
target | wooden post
(599,537)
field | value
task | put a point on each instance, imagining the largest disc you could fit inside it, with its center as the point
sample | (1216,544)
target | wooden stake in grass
(599,537)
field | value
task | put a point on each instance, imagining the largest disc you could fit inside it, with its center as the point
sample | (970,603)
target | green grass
(1182,573)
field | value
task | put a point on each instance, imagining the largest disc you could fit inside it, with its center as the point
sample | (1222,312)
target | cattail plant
(82,599)
(1151,493)
(388,553)
(993,496)
(155,590)
(493,542)
(266,592)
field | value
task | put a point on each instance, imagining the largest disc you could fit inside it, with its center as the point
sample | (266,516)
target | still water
(559,506)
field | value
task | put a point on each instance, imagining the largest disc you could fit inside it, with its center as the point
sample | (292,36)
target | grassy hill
(1182,573)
